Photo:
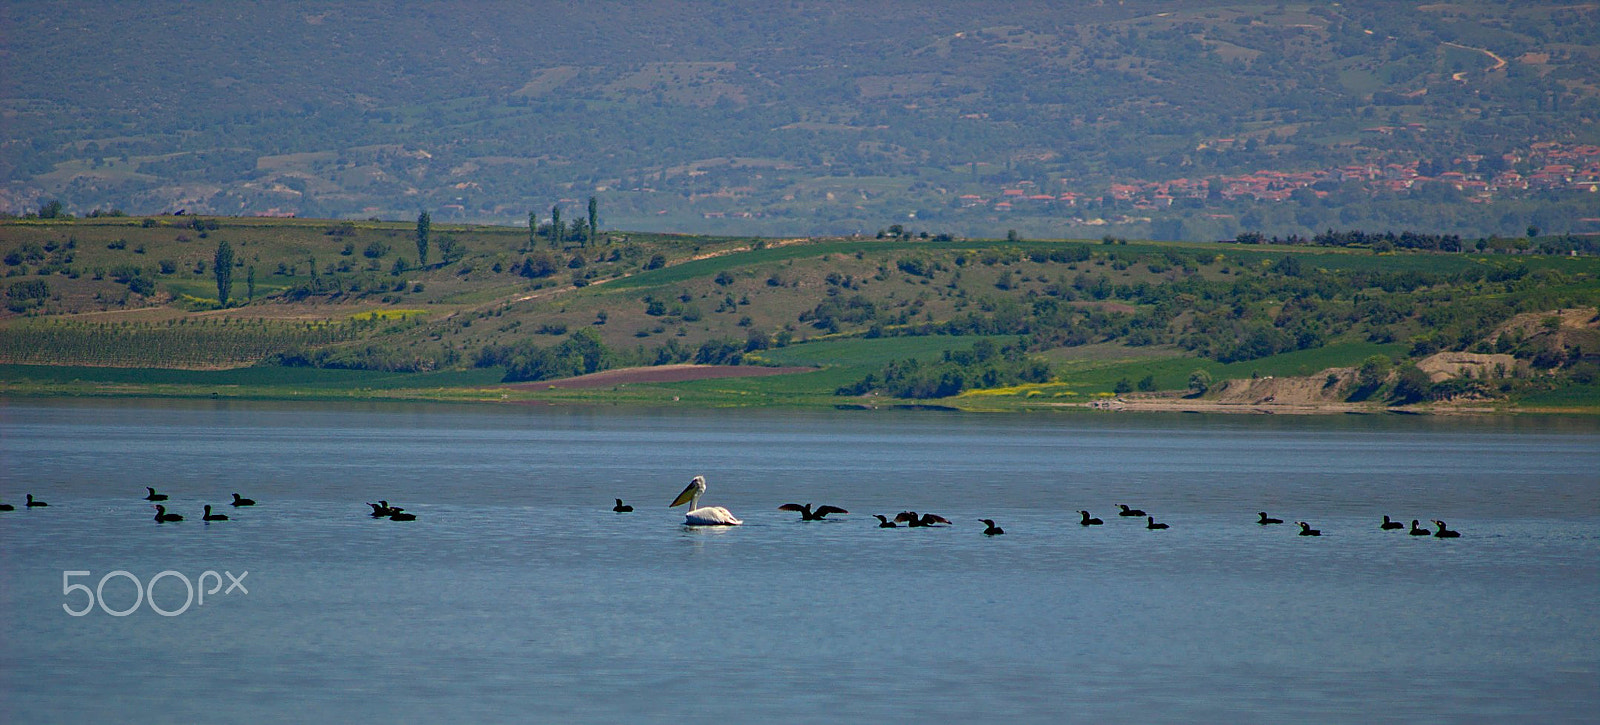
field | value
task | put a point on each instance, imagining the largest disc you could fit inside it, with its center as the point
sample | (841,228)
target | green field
(1579,398)
(1331,259)
(871,352)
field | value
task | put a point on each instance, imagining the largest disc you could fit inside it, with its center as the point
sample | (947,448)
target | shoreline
(653,397)
(1226,408)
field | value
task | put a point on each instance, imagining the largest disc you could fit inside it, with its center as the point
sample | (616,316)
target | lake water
(519,596)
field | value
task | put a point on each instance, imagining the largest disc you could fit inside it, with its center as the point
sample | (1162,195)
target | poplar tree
(222,265)
(594,217)
(423,223)
(556,232)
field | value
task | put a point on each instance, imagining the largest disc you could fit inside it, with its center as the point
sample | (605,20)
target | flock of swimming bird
(161,517)
(382,510)
(719,516)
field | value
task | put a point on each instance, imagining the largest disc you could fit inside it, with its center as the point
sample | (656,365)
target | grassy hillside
(342,308)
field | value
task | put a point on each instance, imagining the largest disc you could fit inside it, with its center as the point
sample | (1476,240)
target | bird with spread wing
(806,514)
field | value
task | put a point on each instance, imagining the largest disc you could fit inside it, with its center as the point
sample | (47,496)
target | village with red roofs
(1544,166)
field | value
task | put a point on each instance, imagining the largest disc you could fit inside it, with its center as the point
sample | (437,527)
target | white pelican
(708,516)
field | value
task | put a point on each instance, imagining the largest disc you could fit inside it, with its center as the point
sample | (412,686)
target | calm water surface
(519,596)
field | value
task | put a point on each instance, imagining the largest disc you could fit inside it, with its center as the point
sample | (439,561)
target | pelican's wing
(791,507)
(831,510)
(710,516)
(689,492)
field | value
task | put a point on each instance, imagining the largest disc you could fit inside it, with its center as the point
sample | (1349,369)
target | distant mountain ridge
(796,117)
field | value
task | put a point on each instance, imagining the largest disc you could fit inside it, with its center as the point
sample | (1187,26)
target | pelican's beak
(683,498)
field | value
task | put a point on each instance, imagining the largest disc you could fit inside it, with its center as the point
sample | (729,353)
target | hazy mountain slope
(790,117)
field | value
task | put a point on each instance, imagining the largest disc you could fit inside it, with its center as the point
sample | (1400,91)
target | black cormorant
(911,519)
(806,514)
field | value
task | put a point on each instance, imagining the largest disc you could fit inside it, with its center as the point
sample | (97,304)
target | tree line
(984,365)
(558,231)
(583,352)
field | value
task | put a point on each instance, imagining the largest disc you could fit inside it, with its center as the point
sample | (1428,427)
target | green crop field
(1578,398)
(858,352)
